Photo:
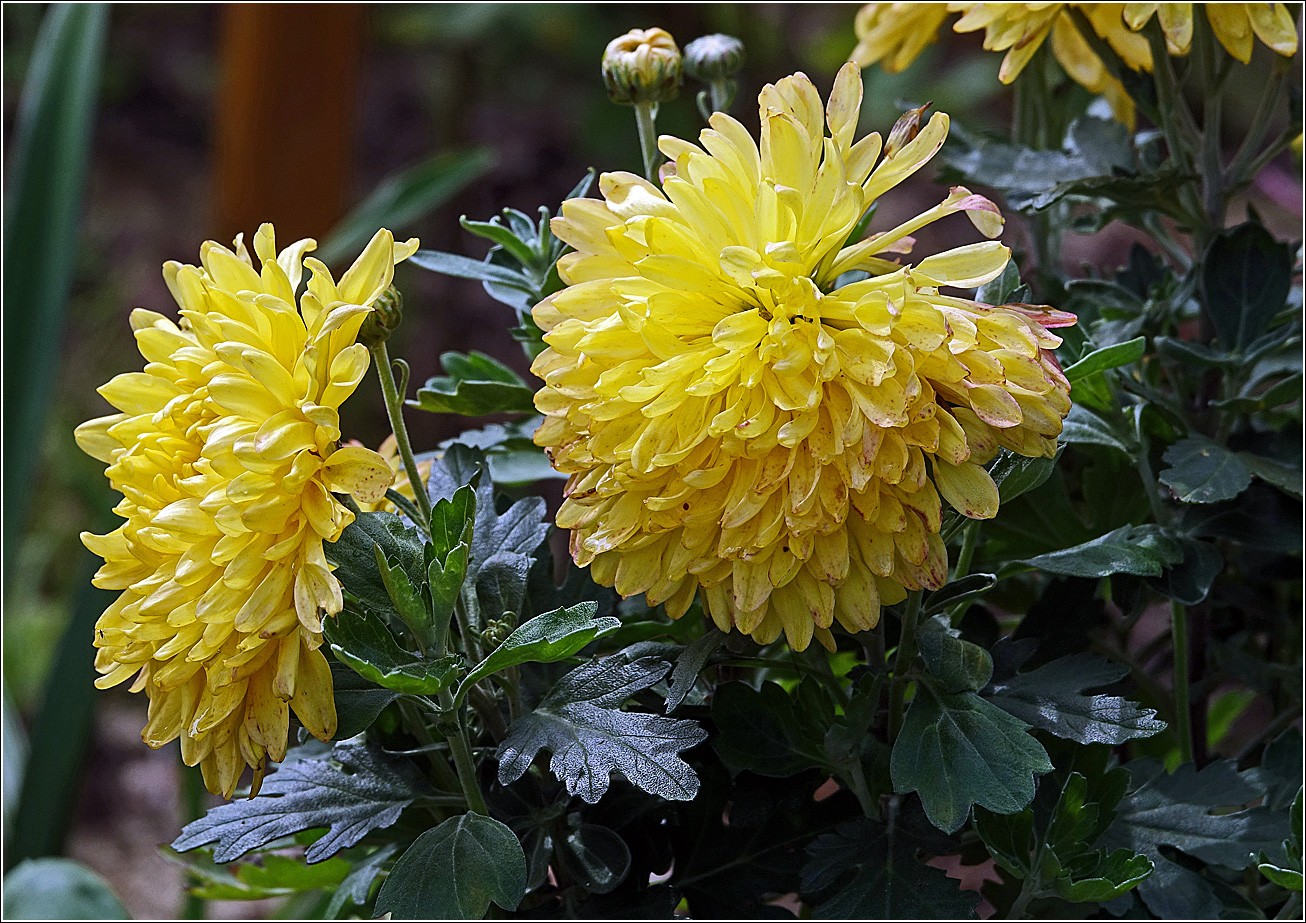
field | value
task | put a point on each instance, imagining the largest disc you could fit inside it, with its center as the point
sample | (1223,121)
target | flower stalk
(394,403)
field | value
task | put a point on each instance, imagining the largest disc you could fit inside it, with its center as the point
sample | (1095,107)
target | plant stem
(1214,195)
(648,139)
(416,725)
(192,797)
(1183,717)
(394,408)
(723,94)
(962,567)
(902,663)
(462,760)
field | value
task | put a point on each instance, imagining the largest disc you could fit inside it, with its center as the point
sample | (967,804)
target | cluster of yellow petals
(893,34)
(734,420)
(389,450)
(226,451)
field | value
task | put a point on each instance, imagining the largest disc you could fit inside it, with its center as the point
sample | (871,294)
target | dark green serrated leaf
(454,871)
(358,700)
(475,386)
(365,644)
(1200,813)
(352,789)
(355,557)
(580,720)
(1086,427)
(766,730)
(1190,580)
(689,664)
(958,665)
(546,638)
(357,885)
(865,871)
(1104,877)
(1108,357)
(957,750)
(999,291)
(1202,471)
(1016,474)
(1144,551)
(1051,698)
(501,584)
(972,586)
(1246,275)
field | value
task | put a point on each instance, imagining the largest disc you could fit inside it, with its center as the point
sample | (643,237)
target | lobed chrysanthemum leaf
(957,750)
(475,386)
(1051,698)
(367,645)
(350,789)
(580,720)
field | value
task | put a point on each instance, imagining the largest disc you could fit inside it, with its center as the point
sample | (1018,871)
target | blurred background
(199,121)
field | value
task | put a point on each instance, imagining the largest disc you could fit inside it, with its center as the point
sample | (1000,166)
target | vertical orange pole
(284,131)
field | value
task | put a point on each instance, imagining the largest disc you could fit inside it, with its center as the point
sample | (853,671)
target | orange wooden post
(284,132)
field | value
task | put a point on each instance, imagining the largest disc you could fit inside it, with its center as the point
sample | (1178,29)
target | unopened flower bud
(714,57)
(642,66)
(905,129)
(387,312)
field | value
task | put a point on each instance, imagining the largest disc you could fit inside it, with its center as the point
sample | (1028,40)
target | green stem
(394,408)
(1214,195)
(1183,715)
(968,541)
(902,663)
(416,725)
(648,139)
(1243,167)
(192,796)
(462,760)
(723,94)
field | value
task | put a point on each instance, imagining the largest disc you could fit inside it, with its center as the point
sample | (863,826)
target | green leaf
(1108,357)
(1104,877)
(1083,426)
(546,638)
(580,720)
(999,291)
(405,197)
(1199,812)
(450,264)
(972,586)
(352,789)
(454,871)
(59,889)
(1202,471)
(354,555)
(358,883)
(958,665)
(510,452)
(768,731)
(1051,698)
(1144,550)
(43,202)
(358,701)
(865,871)
(1246,275)
(1190,580)
(1284,878)
(957,750)
(366,645)
(597,858)
(689,664)
(273,876)
(1015,474)
(520,248)
(475,386)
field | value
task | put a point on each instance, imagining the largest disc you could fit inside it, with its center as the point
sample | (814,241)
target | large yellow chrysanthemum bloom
(735,419)
(225,452)
(1236,25)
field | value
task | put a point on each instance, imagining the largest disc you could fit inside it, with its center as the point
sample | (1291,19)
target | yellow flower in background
(894,34)
(734,419)
(1236,25)
(225,451)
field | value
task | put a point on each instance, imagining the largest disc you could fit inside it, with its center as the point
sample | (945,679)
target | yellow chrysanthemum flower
(738,416)
(389,450)
(894,34)
(225,452)
(1236,25)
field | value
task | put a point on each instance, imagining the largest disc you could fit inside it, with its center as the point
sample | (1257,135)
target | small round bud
(642,66)
(714,57)
(387,312)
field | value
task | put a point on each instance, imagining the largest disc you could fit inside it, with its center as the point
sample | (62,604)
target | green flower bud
(714,57)
(387,312)
(642,66)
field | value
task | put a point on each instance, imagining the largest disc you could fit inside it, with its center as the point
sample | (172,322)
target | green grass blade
(51,143)
(404,197)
